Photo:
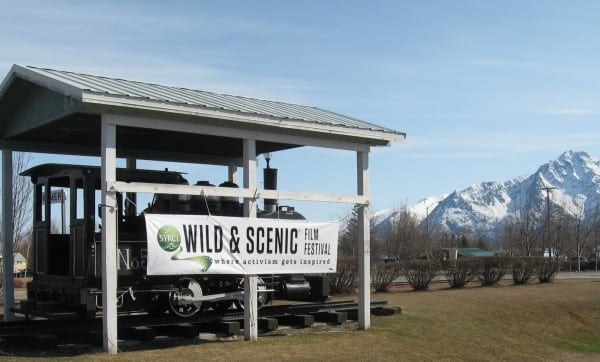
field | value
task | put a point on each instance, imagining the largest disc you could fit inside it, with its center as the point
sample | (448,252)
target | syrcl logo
(168,238)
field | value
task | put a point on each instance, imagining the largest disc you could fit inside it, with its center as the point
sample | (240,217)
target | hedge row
(419,273)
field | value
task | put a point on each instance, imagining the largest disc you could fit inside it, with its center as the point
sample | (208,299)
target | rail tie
(47,334)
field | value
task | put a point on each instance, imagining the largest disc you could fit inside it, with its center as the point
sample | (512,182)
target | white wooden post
(8,285)
(109,236)
(364,244)
(250,281)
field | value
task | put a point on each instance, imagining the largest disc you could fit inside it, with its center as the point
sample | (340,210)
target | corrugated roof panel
(198,98)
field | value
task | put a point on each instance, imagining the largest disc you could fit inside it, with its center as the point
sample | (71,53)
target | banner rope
(205,202)
(130,201)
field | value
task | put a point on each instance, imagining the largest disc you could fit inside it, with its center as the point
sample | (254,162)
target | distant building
(20,263)
(455,253)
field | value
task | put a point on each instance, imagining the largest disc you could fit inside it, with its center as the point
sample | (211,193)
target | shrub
(419,273)
(492,270)
(524,269)
(383,273)
(344,280)
(547,268)
(461,271)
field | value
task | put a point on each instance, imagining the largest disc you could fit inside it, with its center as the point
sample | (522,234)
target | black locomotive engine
(66,249)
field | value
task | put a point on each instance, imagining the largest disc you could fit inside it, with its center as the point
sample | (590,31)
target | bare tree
(348,240)
(582,233)
(432,242)
(559,235)
(509,237)
(404,239)
(594,221)
(572,236)
(596,245)
(521,234)
(349,236)
(587,246)
(22,195)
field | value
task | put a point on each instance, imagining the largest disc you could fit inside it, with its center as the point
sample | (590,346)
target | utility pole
(547,225)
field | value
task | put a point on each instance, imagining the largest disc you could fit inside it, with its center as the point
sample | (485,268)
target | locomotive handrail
(120,186)
(219,296)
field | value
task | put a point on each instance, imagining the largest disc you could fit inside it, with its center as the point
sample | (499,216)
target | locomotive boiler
(66,248)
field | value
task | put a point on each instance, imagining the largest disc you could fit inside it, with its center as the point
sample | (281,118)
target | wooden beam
(93,150)
(109,235)
(234,192)
(207,129)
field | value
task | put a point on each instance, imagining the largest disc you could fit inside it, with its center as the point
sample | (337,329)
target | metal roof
(55,109)
(203,99)
(474,252)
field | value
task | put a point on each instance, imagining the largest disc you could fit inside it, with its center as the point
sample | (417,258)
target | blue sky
(484,90)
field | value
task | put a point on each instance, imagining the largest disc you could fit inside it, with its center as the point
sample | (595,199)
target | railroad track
(44,334)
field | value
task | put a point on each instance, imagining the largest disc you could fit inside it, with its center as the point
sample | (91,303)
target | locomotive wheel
(188,287)
(262,298)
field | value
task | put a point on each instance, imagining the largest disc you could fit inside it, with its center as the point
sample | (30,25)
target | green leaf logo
(168,238)
(203,261)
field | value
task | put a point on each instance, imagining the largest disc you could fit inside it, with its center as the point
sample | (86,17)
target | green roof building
(454,253)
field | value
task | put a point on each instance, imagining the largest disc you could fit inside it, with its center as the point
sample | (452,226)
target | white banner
(202,244)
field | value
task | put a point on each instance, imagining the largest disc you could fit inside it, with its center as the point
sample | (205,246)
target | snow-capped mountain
(382,219)
(572,183)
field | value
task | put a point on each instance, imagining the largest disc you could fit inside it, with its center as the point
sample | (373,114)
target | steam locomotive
(66,248)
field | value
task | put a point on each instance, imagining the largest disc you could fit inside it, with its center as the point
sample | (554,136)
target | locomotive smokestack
(270,179)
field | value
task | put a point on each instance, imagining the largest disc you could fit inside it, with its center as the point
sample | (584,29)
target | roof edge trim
(107,100)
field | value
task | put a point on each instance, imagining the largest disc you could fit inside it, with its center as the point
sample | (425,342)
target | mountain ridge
(571,183)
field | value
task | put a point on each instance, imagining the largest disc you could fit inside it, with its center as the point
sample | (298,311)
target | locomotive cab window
(59,196)
(57,207)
